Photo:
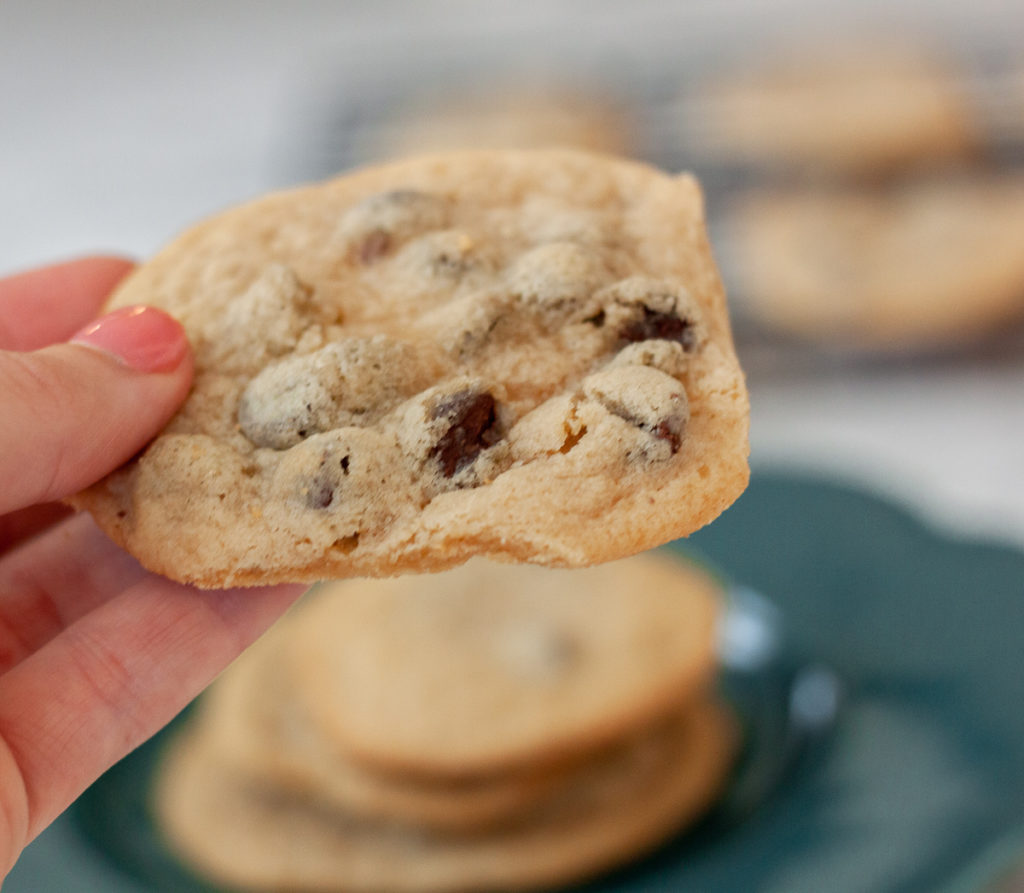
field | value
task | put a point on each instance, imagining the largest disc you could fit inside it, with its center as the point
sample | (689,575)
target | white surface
(121,122)
(950,444)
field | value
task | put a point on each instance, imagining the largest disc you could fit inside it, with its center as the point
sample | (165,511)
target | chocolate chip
(668,430)
(665,431)
(641,309)
(472,427)
(379,224)
(647,399)
(326,481)
(321,494)
(661,325)
(374,246)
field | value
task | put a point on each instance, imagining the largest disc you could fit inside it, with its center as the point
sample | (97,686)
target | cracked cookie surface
(524,355)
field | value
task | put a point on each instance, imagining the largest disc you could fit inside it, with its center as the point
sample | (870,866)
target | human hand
(96,653)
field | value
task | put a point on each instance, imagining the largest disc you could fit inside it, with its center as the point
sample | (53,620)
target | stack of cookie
(491,727)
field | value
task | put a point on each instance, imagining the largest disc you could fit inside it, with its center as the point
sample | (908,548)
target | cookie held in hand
(522,355)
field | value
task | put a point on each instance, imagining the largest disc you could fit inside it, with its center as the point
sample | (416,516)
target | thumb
(72,412)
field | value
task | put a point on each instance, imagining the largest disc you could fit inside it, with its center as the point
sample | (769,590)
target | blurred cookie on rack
(489,728)
(850,107)
(925,263)
(503,117)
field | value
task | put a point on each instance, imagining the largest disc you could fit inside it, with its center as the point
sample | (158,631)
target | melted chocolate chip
(664,432)
(326,482)
(321,494)
(472,428)
(374,246)
(660,325)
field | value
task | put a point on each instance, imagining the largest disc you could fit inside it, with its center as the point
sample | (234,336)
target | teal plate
(921,776)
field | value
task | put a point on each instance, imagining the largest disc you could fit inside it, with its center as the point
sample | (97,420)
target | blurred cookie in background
(489,728)
(852,107)
(488,668)
(237,832)
(502,116)
(252,720)
(926,263)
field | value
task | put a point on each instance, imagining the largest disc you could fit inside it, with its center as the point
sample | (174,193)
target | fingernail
(143,338)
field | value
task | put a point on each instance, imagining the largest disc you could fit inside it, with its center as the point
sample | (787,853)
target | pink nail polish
(143,338)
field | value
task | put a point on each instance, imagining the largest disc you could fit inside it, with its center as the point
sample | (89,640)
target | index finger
(46,306)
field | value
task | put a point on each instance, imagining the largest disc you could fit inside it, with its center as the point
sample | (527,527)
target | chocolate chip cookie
(524,355)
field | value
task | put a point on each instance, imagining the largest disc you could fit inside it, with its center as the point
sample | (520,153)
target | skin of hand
(96,653)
